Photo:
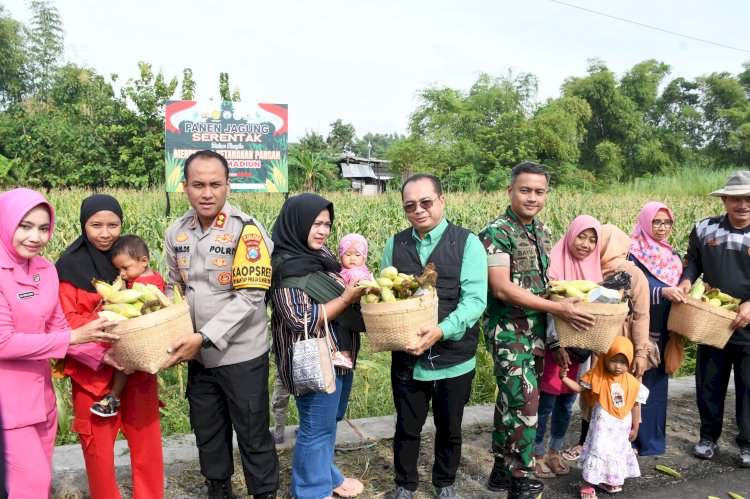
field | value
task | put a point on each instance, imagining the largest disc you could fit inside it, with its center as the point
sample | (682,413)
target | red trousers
(138,420)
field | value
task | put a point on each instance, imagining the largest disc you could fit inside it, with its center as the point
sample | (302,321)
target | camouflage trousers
(517,374)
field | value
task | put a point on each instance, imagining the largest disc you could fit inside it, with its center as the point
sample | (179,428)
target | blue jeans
(314,475)
(561,408)
(346,389)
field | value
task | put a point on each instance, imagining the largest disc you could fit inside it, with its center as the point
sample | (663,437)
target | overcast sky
(364,62)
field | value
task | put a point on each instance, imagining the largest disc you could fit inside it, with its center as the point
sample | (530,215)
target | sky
(365,62)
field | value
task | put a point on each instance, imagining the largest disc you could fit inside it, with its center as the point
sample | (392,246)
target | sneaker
(220,489)
(745,457)
(402,493)
(446,492)
(705,449)
(525,488)
(106,407)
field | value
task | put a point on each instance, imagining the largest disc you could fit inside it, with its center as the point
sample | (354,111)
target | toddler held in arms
(353,258)
(130,256)
(607,457)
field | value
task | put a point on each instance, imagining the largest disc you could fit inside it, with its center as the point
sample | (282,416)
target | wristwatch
(207,343)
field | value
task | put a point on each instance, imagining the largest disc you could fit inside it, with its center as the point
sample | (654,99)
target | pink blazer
(33,330)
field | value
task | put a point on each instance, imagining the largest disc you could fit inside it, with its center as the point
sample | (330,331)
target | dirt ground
(372,464)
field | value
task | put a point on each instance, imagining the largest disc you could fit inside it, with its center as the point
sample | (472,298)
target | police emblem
(225,238)
(225,278)
(252,241)
(220,262)
(181,238)
(184,261)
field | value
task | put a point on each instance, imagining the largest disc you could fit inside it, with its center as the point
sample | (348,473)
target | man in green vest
(518,247)
(437,369)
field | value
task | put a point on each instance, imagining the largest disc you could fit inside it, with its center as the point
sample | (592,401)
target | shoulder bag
(312,365)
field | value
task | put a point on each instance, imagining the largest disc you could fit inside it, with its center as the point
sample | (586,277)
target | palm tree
(314,166)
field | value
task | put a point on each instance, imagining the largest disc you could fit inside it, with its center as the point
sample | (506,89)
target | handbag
(654,355)
(312,365)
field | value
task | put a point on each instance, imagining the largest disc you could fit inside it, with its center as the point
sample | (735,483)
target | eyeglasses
(426,204)
(658,223)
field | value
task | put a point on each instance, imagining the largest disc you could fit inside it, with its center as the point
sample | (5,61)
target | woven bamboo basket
(608,321)
(394,325)
(701,322)
(144,340)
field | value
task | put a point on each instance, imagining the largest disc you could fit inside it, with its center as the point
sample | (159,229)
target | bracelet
(342,299)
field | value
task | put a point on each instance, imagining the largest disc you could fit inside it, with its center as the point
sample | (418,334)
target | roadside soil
(372,464)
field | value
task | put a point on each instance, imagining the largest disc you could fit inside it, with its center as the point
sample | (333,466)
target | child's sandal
(610,489)
(588,493)
(557,464)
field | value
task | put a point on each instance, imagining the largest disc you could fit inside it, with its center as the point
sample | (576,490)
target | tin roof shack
(368,176)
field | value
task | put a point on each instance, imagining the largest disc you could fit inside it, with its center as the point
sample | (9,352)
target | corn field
(376,218)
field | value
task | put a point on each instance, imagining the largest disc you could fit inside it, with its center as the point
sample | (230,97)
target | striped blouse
(289,306)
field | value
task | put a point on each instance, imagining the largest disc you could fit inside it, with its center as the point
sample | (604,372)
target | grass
(377,218)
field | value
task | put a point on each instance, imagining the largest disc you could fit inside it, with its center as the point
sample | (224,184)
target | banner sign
(252,137)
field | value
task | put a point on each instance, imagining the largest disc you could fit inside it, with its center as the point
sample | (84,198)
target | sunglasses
(426,204)
(658,223)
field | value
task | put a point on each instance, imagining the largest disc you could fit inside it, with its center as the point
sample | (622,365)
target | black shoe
(220,489)
(525,488)
(498,480)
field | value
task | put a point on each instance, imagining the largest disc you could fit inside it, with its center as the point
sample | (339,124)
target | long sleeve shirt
(472,301)
(33,330)
(722,254)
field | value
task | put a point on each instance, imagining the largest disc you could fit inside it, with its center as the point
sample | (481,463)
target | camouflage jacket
(528,248)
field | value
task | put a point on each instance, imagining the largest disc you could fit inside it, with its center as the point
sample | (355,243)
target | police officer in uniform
(518,248)
(439,368)
(220,257)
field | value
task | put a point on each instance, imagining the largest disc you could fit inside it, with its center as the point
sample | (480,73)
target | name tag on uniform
(27,294)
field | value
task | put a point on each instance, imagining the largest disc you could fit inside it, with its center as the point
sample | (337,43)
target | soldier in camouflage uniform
(518,248)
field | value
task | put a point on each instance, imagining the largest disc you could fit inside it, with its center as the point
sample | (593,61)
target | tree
(342,137)
(46,44)
(641,83)
(312,141)
(188,85)
(313,167)
(13,78)
(143,151)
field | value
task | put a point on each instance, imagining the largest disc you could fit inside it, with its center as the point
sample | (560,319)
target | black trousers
(412,399)
(234,396)
(712,370)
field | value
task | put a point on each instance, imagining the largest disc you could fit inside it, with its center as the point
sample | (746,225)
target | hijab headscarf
(615,245)
(659,257)
(291,255)
(565,266)
(14,205)
(81,261)
(615,394)
(359,244)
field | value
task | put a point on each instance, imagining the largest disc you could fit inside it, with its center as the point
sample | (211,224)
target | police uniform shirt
(226,298)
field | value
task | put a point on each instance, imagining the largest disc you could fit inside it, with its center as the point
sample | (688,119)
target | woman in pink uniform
(33,330)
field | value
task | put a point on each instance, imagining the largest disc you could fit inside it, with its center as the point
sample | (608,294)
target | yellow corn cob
(125,309)
(124,296)
(104,289)
(112,316)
